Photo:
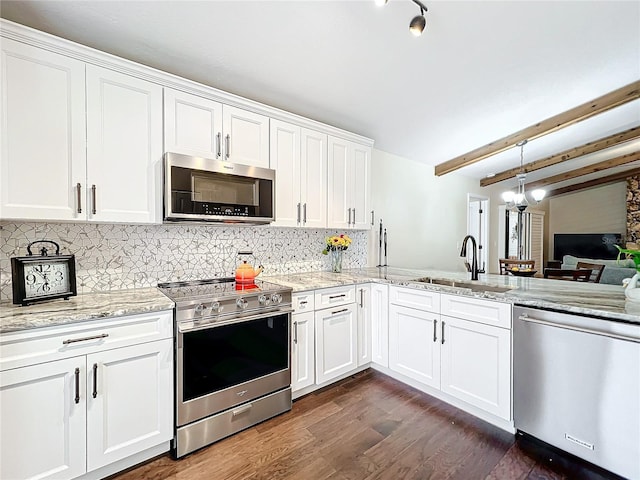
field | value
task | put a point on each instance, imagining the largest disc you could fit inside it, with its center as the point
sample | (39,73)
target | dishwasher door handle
(526,318)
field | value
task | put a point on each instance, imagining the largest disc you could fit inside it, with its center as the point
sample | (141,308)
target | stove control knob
(264,300)
(216,307)
(276,298)
(199,310)
(242,303)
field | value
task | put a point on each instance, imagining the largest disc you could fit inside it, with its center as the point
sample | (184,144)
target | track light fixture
(416,27)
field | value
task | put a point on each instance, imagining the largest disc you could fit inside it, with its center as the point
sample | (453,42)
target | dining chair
(508,263)
(596,270)
(577,275)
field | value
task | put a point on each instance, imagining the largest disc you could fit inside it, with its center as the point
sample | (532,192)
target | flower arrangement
(631,253)
(336,242)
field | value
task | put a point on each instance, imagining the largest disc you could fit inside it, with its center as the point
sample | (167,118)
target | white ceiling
(482,70)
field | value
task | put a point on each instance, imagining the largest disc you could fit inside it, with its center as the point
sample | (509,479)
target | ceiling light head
(381,3)
(538,195)
(416,27)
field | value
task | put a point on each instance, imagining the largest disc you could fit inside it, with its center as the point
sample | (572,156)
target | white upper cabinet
(299,156)
(192,125)
(246,137)
(202,127)
(43,135)
(124,147)
(348,184)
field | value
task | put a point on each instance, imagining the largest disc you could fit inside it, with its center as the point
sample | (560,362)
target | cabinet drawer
(332,297)
(45,344)
(477,310)
(303,302)
(414,298)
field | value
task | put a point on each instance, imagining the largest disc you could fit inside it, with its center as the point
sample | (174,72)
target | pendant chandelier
(518,200)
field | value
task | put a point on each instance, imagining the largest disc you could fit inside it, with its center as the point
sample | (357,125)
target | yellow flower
(337,242)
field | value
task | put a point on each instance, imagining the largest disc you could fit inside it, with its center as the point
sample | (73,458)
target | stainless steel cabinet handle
(435,329)
(340,311)
(93,199)
(218,144)
(84,339)
(227,146)
(95,380)
(526,318)
(371,217)
(298,220)
(331,297)
(442,333)
(79,194)
(304,210)
(303,302)
(349,221)
(362,298)
(354,216)
(295,332)
(77,374)
(242,409)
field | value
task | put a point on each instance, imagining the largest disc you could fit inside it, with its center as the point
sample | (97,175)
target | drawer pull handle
(331,297)
(84,339)
(303,302)
(442,333)
(340,311)
(77,374)
(241,410)
(95,380)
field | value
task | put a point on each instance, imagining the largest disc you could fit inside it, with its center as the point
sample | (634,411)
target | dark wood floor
(370,427)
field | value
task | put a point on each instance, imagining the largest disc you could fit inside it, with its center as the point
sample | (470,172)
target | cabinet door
(302,351)
(313,178)
(414,346)
(43,428)
(336,342)
(285,160)
(246,137)
(192,125)
(361,217)
(364,324)
(339,176)
(129,407)
(124,147)
(476,365)
(380,324)
(43,134)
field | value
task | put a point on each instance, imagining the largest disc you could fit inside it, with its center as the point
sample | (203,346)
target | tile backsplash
(115,256)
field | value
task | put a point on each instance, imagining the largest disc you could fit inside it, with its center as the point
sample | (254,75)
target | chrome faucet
(474,262)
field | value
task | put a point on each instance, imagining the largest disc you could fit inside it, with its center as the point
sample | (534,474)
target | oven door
(228,363)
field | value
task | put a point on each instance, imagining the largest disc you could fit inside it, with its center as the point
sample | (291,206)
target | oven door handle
(184,327)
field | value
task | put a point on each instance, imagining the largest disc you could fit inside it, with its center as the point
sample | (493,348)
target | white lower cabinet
(96,405)
(336,342)
(475,365)
(413,347)
(302,350)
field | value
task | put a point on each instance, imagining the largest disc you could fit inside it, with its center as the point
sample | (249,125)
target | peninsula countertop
(592,299)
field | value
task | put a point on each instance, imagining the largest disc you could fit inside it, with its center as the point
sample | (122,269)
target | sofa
(614,272)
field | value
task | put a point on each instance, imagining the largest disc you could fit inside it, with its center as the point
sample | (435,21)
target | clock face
(48,278)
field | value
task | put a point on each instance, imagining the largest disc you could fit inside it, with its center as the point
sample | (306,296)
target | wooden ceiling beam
(572,153)
(594,183)
(596,167)
(598,105)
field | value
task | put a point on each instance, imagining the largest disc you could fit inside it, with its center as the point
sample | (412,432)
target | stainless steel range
(233,366)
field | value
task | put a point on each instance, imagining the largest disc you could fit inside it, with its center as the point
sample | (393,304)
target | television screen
(587,245)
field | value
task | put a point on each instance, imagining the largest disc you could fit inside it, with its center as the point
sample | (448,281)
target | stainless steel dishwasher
(577,386)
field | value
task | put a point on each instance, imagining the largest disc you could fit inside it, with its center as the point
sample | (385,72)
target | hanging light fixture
(518,199)
(418,23)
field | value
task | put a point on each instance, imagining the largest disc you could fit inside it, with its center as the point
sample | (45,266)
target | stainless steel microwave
(203,189)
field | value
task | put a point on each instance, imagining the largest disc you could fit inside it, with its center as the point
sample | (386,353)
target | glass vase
(336,261)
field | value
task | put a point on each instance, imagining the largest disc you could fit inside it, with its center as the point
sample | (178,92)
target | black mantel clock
(37,278)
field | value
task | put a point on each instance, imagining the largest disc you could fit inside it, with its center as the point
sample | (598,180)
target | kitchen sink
(464,284)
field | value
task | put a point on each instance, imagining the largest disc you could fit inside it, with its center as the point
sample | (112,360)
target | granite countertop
(81,308)
(597,300)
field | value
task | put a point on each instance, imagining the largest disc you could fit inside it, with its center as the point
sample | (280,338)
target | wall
(425,216)
(633,209)
(111,257)
(600,209)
